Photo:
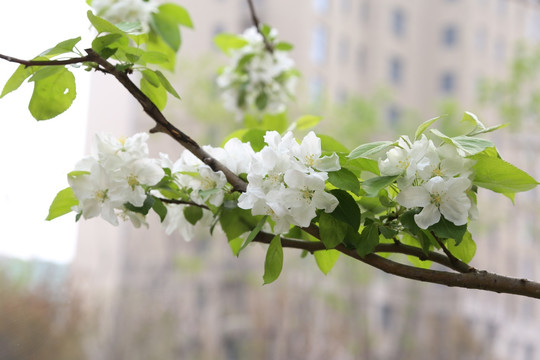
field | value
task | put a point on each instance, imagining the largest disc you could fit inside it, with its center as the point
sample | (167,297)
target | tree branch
(183,202)
(257,24)
(28,63)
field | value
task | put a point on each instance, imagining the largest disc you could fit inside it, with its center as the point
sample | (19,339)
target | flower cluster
(115,178)
(286,181)
(436,179)
(122,11)
(257,79)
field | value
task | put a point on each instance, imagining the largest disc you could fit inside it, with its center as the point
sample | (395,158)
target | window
(396,70)
(319,44)
(343,51)
(398,22)
(448,83)
(321,6)
(449,36)
(393,115)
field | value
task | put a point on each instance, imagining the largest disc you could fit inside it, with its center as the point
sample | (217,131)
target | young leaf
(102,25)
(472,119)
(423,127)
(472,145)
(307,122)
(158,95)
(371,149)
(499,176)
(63,47)
(166,84)
(62,203)
(283,46)
(177,14)
(235,245)
(326,259)
(228,42)
(465,250)
(374,185)
(22,73)
(52,94)
(273,262)
(167,29)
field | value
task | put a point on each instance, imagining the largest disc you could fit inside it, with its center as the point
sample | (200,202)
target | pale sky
(36,156)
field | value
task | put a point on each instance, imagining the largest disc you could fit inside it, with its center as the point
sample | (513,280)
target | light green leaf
(255,137)
(445,138)
(500,176)
(102,25)
(228,42)
(177,14)
(158,95)
(273,262)
(371,149)
(472,145)
(63,47)
(489,129)
(156,44)
(151,77)
(167,29)
(472,119)
(423,127)
(307,122)
(283,46)
(76,173)
(465,250)
(332,230)
(154,57)
(330,144)
(62,203)
(235,245)
(326,259)
(344,179)
(166,84)
(22,73)
(52,94)
(254,232)
(374,185)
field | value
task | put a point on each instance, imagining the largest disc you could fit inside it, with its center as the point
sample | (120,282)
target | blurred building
(161,298)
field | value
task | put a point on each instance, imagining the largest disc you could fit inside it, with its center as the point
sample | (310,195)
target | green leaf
(154,57)
(63,47)
(166,84)
(371,149)
(156,44)
(22,73)
(369,239)
(158,95)
(76,173)
(332,230)
(500,176)
(177,14)
(471,119)
(255,137)
(107,41)
(412,241)
(235,245)
(62,203)
(326,259)
(347,209)
(159,208)
(102,25)
(151,77)
(423,127)
(472,145)
(445,138)
(283,46)
(167,29)
(273,262)
(407,220)
(228,42)
(277,122)
(193,214)
(145,208)
(254,232)
(344,179)
(261,101)
(374,185)
(236,222)
(307,122)
(465,250)
(447,229)
(52,94)
(489,129)
(330,144)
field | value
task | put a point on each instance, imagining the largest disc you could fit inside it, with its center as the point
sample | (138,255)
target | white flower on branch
(126,11)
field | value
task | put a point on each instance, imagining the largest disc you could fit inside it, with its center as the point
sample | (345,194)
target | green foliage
(464,250)
(273,262)
(193,214)
(62,204)
(369,239)
(54,92)
(326,259)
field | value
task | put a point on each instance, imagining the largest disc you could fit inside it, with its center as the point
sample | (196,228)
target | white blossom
(121,11)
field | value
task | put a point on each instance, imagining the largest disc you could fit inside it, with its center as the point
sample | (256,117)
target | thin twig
(255,19)
(183,202)
(28,63)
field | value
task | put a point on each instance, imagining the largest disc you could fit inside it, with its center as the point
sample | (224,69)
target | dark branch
(257,24)
(183,202)
(28,63)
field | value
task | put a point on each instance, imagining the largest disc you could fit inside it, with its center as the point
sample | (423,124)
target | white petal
(413,196)
(428,216)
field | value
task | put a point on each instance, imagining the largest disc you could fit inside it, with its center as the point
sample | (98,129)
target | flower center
(132,181)
(436,199)
(101,195)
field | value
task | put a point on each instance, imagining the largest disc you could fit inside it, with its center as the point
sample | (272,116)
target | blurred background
(373,69)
